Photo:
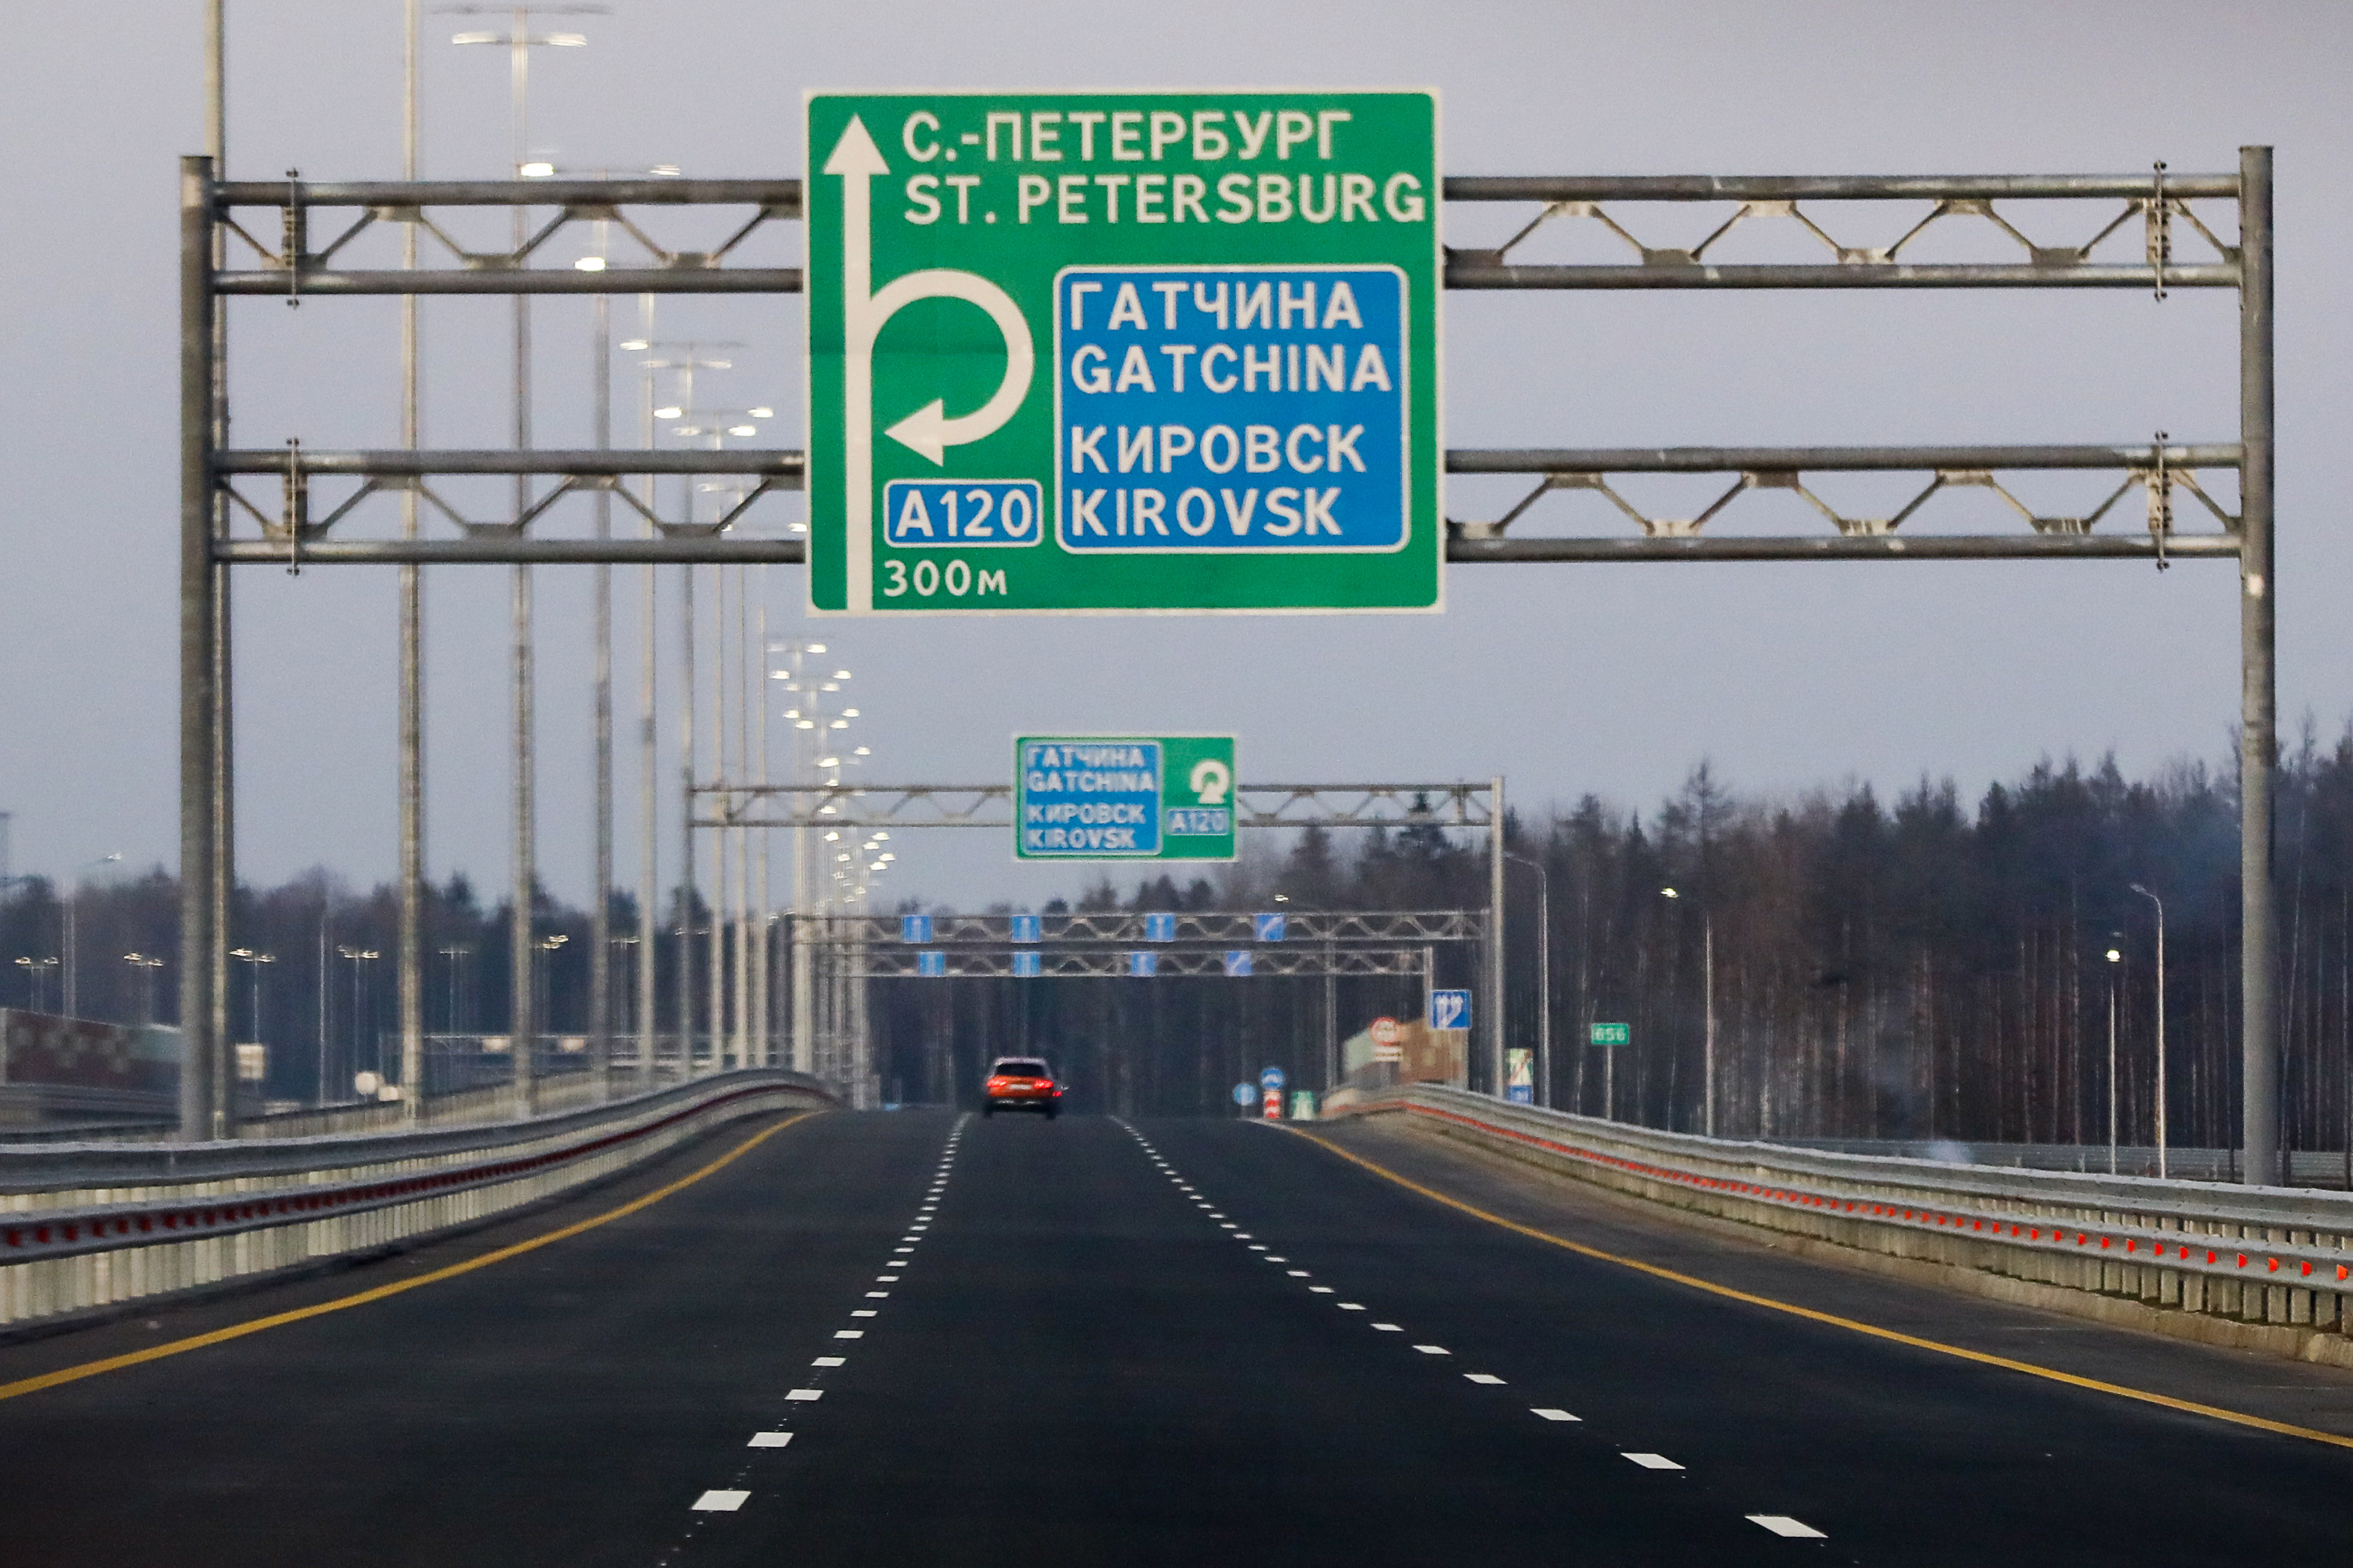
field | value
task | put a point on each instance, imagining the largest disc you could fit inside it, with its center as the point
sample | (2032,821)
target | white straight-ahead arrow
(929,430)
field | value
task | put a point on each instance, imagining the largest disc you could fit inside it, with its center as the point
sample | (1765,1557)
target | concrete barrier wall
(85,1227)
(2262,1267)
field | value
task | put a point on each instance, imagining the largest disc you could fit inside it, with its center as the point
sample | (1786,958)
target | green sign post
(1611,1035)
(1103,351)
(1124,798)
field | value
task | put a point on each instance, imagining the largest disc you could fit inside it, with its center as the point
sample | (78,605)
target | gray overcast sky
(1565,678)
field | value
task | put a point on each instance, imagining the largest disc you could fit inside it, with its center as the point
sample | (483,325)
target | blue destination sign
(1256,410)
(1098,799)
(1124,797)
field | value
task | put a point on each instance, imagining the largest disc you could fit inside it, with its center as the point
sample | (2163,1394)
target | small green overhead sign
(1124,798)
(1612,1035)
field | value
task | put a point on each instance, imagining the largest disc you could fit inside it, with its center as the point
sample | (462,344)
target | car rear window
(1020,1068)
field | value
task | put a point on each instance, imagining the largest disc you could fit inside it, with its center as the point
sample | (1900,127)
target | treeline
(1914,968)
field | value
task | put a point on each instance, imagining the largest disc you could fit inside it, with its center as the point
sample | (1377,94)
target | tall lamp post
(2116,957)
(146,966)
(358,956)
(73,929)
(1707,1054)
(253,962)
(519,41)
(1544,975)
(2153,899)
(37,975)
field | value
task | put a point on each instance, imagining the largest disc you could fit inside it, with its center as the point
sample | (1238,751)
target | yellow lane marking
(2236,1418)
(360,1299)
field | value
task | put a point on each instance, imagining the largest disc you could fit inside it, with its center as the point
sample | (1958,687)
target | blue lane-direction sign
(1143,965)
(1238,963)
(1268,928)
(1160,928)
(1271,1077)
(1245,1094)
(933,963)
(1450,1009)
(916,928)
(1233,410)
(1029,965)
(1027,928)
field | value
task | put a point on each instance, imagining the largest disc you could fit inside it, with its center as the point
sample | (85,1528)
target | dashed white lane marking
(876,1295)
(1551,1414)
(897,1249)
(769,1439)
(1388,1328)
(1245,1236)
(849,1333)
(1433,1349)
(867,1311)
(721,1502)
(805,1393)
(1321,1289)
(840,1361)
(1258,1247)
(1350,1306)
(1487,1377)
(1230,1225)
(1652,1461)
(886,1278)
(1294,1273)
(1782,1524)
(1273,1258)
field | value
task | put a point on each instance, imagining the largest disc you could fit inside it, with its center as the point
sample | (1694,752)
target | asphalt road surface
(915,1339)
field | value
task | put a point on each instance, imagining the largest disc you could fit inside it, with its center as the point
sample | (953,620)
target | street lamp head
(2144,893)
(2115,956)
(1669,893)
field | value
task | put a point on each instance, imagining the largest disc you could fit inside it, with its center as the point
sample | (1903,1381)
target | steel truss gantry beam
(1454,804)
(1226,929)
(1167,963)
(2157,207)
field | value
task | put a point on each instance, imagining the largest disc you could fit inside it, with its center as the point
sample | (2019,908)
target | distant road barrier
(2236,1265)
(84,1226)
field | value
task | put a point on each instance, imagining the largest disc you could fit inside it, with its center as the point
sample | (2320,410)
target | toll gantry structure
(2157,231)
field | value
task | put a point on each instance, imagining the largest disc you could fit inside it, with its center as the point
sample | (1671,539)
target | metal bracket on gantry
(1145,963)
(1221,929)
(838,806)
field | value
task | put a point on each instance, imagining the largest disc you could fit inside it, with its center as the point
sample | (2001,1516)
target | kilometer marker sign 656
(1122,352)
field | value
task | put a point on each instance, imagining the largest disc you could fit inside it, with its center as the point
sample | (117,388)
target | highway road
(918,1337)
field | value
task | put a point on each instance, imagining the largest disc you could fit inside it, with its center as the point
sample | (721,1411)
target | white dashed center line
(721,1502)
(836,1361)
(849,1333)
(1550,1414)
(805,1395)
(1652,1461)
(868,1311)
(1482,1377)
(1782,1524)
(769,1439)
(1294,1273)
(1350,1306)
(876,1295)
(1433,1349)
(1321,1289)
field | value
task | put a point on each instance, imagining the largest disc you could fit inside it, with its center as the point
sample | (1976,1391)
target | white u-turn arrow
(928,430)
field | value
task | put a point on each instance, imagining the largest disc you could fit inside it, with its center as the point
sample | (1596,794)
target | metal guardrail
(84,1226)
(2263,1255)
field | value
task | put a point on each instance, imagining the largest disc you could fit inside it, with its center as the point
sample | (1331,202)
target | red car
(1021,1083)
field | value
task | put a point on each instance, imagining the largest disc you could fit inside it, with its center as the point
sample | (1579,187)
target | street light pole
(253,962)
(1707,993)
(2153,899)
(2116,957)
(1544,976)
(73,930)
(147,967)
(358,956)
(36,975)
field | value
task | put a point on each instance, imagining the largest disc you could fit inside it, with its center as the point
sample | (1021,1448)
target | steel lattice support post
(200,945)
(2259,698)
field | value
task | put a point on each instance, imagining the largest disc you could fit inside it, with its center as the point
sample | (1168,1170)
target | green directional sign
(1611,1035)
(1124,798)
(1104,351)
